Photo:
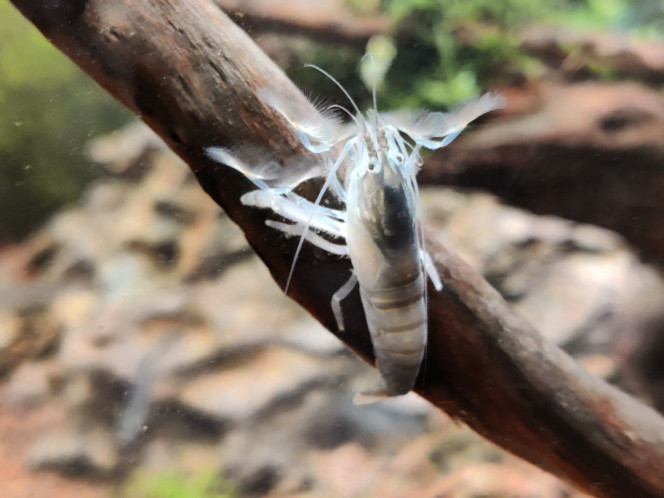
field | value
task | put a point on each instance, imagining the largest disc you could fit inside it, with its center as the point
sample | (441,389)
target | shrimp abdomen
(397,320)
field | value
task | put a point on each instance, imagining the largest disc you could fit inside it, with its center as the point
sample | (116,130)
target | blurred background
(139,355)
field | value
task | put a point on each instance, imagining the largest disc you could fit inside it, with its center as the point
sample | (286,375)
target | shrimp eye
(374,165)
(398,158)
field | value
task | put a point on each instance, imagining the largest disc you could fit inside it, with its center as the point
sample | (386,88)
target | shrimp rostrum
(370,164)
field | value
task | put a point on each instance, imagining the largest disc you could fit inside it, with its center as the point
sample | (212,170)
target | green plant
(454,50)
(48,110)
(175,483)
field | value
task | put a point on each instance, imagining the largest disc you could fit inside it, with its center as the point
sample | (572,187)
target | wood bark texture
(192,75)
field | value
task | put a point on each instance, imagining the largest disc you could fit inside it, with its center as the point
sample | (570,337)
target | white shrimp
(380,220)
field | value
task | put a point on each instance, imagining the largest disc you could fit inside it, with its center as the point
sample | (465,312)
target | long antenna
(357,109)
(373,84)
(333,171)
(328,179)
(337,106)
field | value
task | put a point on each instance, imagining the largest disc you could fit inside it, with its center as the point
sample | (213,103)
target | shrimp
(381,221)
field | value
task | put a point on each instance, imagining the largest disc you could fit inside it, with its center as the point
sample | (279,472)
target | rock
(89,452)
(348,470)
(254,309)
(74,306)
(120,149)
(31,333)
(245,390)
(11,328)
(510,481)
(311,337)
(31,383)
(581,289)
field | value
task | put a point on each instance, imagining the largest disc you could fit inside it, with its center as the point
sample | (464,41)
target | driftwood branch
(191,74)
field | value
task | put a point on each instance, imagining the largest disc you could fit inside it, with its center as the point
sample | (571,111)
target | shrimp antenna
(373,83)
(336,83)
(342,108)
(328,180)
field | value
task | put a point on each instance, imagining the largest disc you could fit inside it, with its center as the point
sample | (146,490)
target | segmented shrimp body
(381,220)
(384,247)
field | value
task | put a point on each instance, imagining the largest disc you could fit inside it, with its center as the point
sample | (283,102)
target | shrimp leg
(338,190)
(309,236)
(316,216)
(437,144)
(340,295)
(309,206)
(431,271)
